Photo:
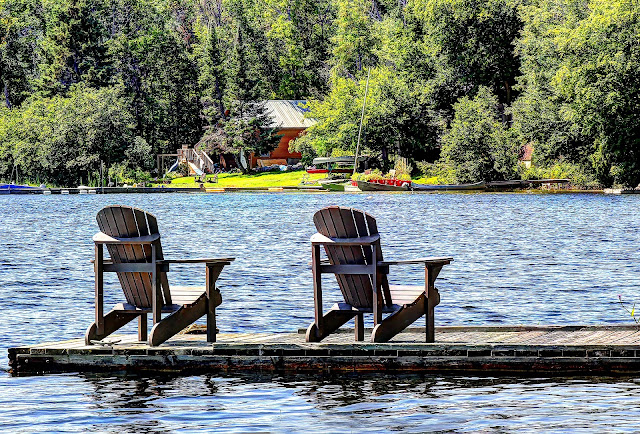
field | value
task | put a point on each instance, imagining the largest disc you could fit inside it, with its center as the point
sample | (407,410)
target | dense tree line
(462,85)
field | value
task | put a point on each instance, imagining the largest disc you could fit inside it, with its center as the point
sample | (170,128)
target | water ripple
(519,259)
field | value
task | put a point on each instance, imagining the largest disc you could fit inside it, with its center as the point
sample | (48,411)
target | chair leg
(330,323)
(359,327)
(177,321)
(142,327)
(112,322)
(399,320)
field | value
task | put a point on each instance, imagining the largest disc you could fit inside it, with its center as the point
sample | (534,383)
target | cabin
(288,117)
(525,155)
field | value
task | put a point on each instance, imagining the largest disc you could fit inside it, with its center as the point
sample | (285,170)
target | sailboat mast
(364,104)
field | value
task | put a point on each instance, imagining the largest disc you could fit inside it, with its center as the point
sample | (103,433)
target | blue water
(519,259)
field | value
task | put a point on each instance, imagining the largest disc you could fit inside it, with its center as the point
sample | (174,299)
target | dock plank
(509,349)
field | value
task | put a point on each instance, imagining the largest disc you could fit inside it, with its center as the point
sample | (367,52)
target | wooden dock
(519,350)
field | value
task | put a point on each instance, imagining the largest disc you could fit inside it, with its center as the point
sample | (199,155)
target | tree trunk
(238,161)
(6,96)
(508,89)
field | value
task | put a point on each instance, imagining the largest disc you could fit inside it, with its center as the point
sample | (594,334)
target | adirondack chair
(352,244)
(133,241)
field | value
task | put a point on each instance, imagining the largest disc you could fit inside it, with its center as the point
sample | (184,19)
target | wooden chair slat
(143,229)
(337,256)
(332,254)
(362,282)
(108,225)
(142,281)
(383,280)
(152,223)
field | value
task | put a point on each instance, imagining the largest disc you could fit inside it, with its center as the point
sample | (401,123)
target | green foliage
(121,174)
(580,81)
(478,145)
(63,139)
(139,154)
(472,42)
(579,175)
(20,30)
(84,81)
(394,122)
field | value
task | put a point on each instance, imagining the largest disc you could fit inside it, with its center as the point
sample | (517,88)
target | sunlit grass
(265,179)
(426,180)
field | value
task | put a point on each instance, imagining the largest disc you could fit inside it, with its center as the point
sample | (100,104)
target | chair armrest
(319,239)
(225,261)
(104,261)
(426,261)
(101,238)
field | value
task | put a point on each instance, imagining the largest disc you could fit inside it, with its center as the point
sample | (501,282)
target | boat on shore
(333,184)
(15,188)
(409,186)
(476,186)
(374,186)
(448,187)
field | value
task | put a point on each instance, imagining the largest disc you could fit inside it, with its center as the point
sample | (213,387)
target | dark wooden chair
(352,244)
(133,241)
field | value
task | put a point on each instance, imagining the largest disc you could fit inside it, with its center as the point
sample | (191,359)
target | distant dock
(125,190)
(510,350)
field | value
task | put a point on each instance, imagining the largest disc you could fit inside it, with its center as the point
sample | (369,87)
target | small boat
(15,188)
(333,184)
(374,186)
(333,162)
(517,183)
(449,187)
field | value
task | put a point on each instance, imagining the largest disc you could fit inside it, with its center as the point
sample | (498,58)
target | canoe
(336,184)
(448,187)
(516,183)
(373,186)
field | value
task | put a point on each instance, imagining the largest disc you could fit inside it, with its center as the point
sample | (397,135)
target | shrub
(478,146)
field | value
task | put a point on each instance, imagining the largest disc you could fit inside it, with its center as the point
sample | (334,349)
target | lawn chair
(352,244)
(133,242)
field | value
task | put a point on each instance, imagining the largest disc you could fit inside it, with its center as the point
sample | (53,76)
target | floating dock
(516,350)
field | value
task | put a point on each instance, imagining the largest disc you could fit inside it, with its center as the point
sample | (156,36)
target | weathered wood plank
(492,350)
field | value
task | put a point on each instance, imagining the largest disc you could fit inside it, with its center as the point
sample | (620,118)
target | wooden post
(211,278)
(377,297)
(317,288)
(142,327)
(359,328)
(98,266)
(156,285)
(433,298)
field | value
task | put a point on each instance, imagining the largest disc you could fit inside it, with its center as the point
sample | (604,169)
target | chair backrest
(339,222)
(126,222)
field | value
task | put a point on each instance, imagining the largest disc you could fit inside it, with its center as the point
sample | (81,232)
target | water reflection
(261,402)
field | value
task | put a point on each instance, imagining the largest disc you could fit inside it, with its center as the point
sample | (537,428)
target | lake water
(519,259)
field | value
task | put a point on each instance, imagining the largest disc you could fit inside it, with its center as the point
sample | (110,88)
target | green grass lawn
(265,179)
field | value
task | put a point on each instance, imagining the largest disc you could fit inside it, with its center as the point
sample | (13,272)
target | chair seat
(180,296)
(186,295)
(405,294)
(400,294)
